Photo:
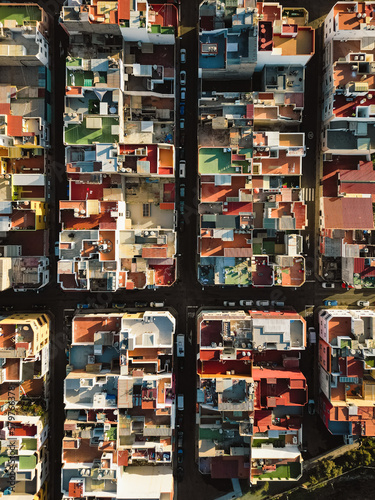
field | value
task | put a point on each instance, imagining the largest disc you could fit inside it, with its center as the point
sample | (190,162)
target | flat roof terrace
(302,44)
(350,20)
(343,74)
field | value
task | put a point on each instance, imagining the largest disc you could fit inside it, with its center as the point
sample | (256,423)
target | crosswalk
(308,194)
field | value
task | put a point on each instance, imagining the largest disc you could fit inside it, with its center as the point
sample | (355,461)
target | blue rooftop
(214,59)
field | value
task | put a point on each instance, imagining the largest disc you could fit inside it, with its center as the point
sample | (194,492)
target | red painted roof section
(122,457)
(348,213)
(250,111)
(154,252)
(76,489)
(123,9)
(4,108)
(14,128)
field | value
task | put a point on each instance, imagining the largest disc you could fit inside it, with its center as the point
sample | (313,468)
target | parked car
(180,439)
(182,93)
(182,109)
(277,303)
(182,190)
(312,335)
(57,248)
(182,207)
(180,473)
(182,169)
(246,302)
(181,224)
(180,456)
(363,303)
(119,305)
(180,421)
(330,303)
(311,407)
(141,304)
(182,77)
(328,285)
(180,402)
(183,56)
(229,303)
(83,306)
(182,153)
(182,124)
(262,303)
(157,304)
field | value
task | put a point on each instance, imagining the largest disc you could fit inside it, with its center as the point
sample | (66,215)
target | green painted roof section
(79,134)
(29,444)
(211,434)
(27,462)
(218,161)
(21,14)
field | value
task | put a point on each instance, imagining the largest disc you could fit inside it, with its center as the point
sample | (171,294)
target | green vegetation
(111,435)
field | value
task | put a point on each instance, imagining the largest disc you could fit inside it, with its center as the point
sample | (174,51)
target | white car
(328,285)
(182,77)
(262,303)
(363,303)
(246,302)
(183,56)
(182,169)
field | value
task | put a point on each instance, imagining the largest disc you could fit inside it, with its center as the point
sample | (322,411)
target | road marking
(308,194)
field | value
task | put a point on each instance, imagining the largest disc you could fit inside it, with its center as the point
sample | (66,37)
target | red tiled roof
(154,252)
(361,268)
(348,213)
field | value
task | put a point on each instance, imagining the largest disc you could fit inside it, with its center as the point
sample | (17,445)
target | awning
(99,94)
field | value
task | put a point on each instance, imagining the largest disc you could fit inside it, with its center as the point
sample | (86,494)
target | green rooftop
(218,161)
(3,459)
(80,134)
(212,434)
(22,14)
(27,462)
(292,470)
(74,61)
(29,444)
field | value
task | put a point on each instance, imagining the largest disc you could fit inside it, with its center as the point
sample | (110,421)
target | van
(180,345)
(180,402)
(182,169)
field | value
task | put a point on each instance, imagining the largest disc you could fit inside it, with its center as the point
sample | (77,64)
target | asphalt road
(187,295)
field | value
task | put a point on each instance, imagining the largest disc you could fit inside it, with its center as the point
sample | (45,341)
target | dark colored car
(182,190)
(118,305)
(141,304)
(330,303)
(180,473)
(180,457)
(182,109)
(181,225)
